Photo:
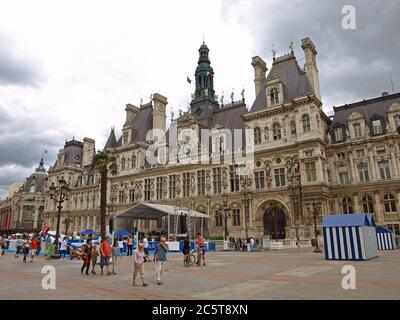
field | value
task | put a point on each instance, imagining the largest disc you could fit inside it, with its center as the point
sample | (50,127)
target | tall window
(279,177)
(344,178)
(201,182)
(147,187)
(234,178)
(218,218)
(131,195)
(347,206)
(236,217)
(306,123)
(123,164)
(377,127)
(397,122)
(311,172)
(274,95)
(390,203)
(357,130)
(121,196)
(363,172)
(339,134)
(257,135)
(172,186)
(221,145)
(293,128)
(159,185)
(266,134)
(186,184)
(368,206)
(276,128)
(217,180)
(384,169)
(259,179)
(360,153)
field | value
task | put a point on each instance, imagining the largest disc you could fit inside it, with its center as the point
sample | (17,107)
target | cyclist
(186,251)
(201,249)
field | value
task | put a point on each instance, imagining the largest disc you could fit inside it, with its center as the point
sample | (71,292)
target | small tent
(386,239)
(349,237)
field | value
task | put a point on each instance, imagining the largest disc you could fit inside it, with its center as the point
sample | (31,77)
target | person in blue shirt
(160,258)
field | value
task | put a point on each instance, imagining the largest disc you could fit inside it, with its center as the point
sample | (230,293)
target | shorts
(105,261)
(33,252)
(186,251)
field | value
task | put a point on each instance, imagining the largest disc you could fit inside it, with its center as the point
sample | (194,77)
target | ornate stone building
(303,159)
(23,210)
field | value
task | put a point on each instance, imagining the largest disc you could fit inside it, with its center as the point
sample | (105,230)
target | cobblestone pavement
(228,275)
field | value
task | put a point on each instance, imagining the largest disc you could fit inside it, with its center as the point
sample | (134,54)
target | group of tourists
(28,245)
(200,249)
(247,244)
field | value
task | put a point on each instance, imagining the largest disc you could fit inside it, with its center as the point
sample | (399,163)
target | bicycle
(191,259)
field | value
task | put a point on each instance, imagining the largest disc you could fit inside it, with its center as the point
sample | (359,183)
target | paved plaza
(285,274)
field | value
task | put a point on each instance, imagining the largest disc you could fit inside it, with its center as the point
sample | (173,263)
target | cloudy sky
(67,68)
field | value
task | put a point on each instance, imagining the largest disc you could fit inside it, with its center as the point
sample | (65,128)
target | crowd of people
(247,244)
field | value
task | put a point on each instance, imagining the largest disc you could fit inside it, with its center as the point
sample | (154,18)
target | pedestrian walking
(19,243)
(95,254)
(63,248)
(160,258)
(39,245)
(87,256)
(138,266)
(145,242)
(25,247)
(116,253)
(252,244)
(34,246)
(3,245)
(298,244)
(129,244)
(105,251)
(121,246)
(186,251)
(201,249)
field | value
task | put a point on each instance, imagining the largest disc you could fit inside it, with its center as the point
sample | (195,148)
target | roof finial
(203,38)
(291,46)
(273,53)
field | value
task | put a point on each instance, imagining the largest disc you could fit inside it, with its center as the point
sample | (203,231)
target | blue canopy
(88,232)
(122,233)
(382,230)
(349,220)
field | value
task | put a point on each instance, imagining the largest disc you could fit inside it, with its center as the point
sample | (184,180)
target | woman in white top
(63,248)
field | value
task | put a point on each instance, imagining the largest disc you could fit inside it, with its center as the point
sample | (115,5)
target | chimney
(311,65)
(88,151)
(260,69)
(159,111)
(131,112)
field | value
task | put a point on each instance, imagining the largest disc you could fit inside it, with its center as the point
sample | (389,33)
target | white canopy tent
(153,211)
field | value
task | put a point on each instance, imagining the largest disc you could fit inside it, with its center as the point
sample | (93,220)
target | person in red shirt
(105,250)
(201,249)
(34,247)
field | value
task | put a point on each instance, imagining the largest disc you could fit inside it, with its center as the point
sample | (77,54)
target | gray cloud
(353,64)
(16,68)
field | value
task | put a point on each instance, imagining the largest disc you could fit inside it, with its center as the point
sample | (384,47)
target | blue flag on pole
(188,80)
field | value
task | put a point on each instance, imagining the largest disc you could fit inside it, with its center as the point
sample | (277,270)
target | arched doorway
(275,221)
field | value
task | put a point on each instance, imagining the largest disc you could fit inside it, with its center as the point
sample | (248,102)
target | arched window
(347,206)
(293,128)
(274,95)
(390,203)
(276,128)
(306,123)
(123,163)
(257,135)
(368,206)
(221,145)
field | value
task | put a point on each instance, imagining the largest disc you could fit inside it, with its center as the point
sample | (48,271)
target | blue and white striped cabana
(386,239)
(349,237)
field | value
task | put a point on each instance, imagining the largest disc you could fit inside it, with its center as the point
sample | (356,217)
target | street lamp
(226,214)
(59,195)
(316,208)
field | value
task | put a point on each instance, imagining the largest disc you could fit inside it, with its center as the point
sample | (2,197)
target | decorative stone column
(379,209)
(372,165)
(393,161)
(352,170)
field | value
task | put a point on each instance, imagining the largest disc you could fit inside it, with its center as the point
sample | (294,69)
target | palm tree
(104,162)
(67,223)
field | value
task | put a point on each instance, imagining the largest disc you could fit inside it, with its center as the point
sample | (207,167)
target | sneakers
(145,284)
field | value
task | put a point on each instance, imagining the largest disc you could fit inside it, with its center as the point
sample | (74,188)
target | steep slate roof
(111,141)
(295,82)
(36,180)
(142,123)
(368,108)
(72,149)
(230,117)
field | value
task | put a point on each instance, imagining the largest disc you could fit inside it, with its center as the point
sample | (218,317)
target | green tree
(103,163)
(67,223)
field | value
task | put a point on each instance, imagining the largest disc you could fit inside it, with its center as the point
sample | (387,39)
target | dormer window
(293,128)
(274,96)
(125,137)
(377,127)
(357,130)
(339,134)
